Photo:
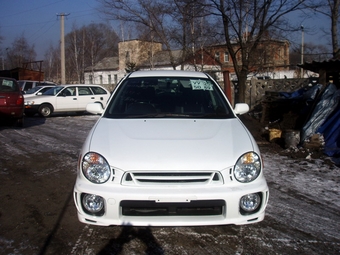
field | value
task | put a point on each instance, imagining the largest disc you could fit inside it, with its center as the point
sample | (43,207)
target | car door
(101,95)
(67,100)
(85,96)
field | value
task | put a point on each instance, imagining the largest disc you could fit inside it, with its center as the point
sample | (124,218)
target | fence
(257,89)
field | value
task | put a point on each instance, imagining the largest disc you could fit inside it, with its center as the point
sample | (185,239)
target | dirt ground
(38,216)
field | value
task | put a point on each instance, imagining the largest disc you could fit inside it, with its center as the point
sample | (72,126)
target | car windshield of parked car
(53,91)
(168,97)
(33,90)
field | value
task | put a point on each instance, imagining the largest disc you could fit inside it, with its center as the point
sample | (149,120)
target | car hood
(170,144)
(37,99)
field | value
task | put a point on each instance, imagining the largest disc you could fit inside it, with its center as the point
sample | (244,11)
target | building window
(226,56)
(217,56)
(101,79)
(109,78)
(91,79)
(116,78)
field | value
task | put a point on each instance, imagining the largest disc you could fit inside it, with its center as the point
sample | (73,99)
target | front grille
(151,208)
(179,178)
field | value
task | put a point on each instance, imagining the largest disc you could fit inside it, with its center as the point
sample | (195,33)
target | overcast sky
(39,22)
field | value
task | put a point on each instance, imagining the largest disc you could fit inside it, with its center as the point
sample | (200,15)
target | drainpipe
(227,88)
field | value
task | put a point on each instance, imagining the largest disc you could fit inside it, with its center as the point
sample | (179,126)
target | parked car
(169,150)
(67,98)
(11,101)
(28,84)
(37,91)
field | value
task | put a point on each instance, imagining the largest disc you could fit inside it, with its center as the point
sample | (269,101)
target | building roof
(162,58)
(108,63)
(332,65)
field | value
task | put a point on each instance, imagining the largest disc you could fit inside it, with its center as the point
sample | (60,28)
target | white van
(27,84)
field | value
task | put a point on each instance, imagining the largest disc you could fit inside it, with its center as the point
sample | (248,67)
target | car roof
(169,73)
(8,78)
(79,85)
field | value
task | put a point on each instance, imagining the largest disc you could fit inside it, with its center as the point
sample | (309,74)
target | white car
(66,98)
(37,91)
(169,150)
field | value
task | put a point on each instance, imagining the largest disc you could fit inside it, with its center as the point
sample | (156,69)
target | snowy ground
(37,214)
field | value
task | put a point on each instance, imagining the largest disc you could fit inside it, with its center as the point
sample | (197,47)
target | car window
(32,90)
(44,89)
(168,97)
(84,91)
(28,85)
(98,91)
(53,91)
(8,85)
(68,92)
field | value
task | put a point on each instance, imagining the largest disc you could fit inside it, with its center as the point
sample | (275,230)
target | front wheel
(45,110)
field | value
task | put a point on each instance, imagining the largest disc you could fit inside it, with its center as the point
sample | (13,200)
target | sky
(39,22)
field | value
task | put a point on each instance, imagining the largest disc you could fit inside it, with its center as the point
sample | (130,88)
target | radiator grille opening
(178,177)
(193,208)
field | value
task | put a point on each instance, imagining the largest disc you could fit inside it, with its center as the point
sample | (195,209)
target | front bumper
(31,109)
(118,198)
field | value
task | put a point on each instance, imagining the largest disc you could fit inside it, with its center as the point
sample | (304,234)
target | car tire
(45,110)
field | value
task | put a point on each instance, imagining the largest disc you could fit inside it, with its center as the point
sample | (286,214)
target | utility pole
(62,47)
(302,42)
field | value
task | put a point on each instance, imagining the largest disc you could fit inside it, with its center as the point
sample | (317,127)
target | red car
(11,101)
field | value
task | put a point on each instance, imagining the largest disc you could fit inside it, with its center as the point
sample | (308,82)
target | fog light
(93,204)
(250,202)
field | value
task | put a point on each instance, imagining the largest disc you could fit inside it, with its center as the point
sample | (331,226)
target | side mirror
(94,108)
(241,108)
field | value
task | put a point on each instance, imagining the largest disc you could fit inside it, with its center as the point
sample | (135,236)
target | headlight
(29,102)
(250,202)
(93,204)
(95,168)
(247,167)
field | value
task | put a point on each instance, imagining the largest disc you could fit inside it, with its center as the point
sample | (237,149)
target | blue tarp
(306,93)
(331,133)
(325,118)
(324,108)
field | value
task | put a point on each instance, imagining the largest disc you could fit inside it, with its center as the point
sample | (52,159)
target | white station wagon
(66,98)
(169,150)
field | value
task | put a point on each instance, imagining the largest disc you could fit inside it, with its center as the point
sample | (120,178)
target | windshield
(168,97)
(53,91)
(32,90)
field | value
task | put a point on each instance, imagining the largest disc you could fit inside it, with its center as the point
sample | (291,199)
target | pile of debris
(308,118)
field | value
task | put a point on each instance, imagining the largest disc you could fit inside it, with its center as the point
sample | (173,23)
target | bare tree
(191,28)
(330,9)
(86,46)
(247,23)
(312,52)
(51,64)
(20,52)
(152,14)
